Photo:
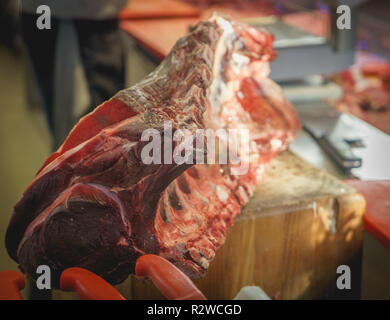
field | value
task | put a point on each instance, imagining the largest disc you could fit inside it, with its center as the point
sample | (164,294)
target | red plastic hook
(11,282)
(88,285)
(170,281)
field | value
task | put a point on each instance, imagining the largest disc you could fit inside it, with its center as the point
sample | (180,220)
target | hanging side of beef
(95,204)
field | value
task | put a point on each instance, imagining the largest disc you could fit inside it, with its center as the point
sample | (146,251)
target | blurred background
(50,78)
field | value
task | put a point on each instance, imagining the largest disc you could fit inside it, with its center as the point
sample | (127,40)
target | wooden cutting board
(299,226)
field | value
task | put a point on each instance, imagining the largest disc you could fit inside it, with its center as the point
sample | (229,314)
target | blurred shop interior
(47,82)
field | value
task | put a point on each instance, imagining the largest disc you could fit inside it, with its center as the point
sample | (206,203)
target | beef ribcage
(97,205)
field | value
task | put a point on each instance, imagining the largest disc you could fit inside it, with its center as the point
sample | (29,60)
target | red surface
(159,35)
(11,282)
(88,285)
(146,9)
(171,282)
(377,217)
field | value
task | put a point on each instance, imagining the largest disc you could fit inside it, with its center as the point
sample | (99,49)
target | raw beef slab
(95,204)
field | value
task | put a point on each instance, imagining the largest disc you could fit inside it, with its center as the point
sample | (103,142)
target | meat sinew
(95,204)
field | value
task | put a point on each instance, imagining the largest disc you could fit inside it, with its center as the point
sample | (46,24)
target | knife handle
(341,152)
